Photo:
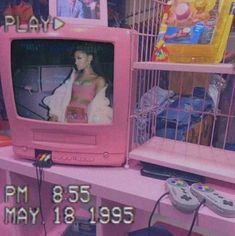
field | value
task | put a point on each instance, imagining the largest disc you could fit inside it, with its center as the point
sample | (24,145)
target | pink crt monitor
(39,66)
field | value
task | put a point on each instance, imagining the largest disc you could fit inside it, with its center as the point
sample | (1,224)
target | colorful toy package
(194,31)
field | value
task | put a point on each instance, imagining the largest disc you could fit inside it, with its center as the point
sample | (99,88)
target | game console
(162,172)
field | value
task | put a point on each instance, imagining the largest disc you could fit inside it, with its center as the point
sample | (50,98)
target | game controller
(214,200)
(181,196)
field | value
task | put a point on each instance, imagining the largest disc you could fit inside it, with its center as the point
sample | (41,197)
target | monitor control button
(106,155)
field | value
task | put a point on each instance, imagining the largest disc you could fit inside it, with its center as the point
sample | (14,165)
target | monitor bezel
(111,138)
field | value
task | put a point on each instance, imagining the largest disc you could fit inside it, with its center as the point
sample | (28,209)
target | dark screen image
(63,80)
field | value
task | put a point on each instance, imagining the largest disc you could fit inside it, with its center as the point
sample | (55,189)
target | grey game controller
(214,200)
(181,196)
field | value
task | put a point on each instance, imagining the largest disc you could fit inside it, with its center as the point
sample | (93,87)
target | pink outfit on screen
(82,95)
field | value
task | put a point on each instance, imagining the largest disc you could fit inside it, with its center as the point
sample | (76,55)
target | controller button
(220,197)
(216,194)
(183,190)
(185,197)
(229,203)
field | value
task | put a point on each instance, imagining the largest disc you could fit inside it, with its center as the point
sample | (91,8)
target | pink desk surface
(124,186)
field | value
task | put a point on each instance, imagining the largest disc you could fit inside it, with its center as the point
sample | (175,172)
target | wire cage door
(183,115)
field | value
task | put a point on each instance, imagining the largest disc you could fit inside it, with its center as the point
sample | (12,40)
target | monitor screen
(63,80)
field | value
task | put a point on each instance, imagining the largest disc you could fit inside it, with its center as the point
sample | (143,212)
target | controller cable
(153,211)
(43,159)
(40,177)
(195,216)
